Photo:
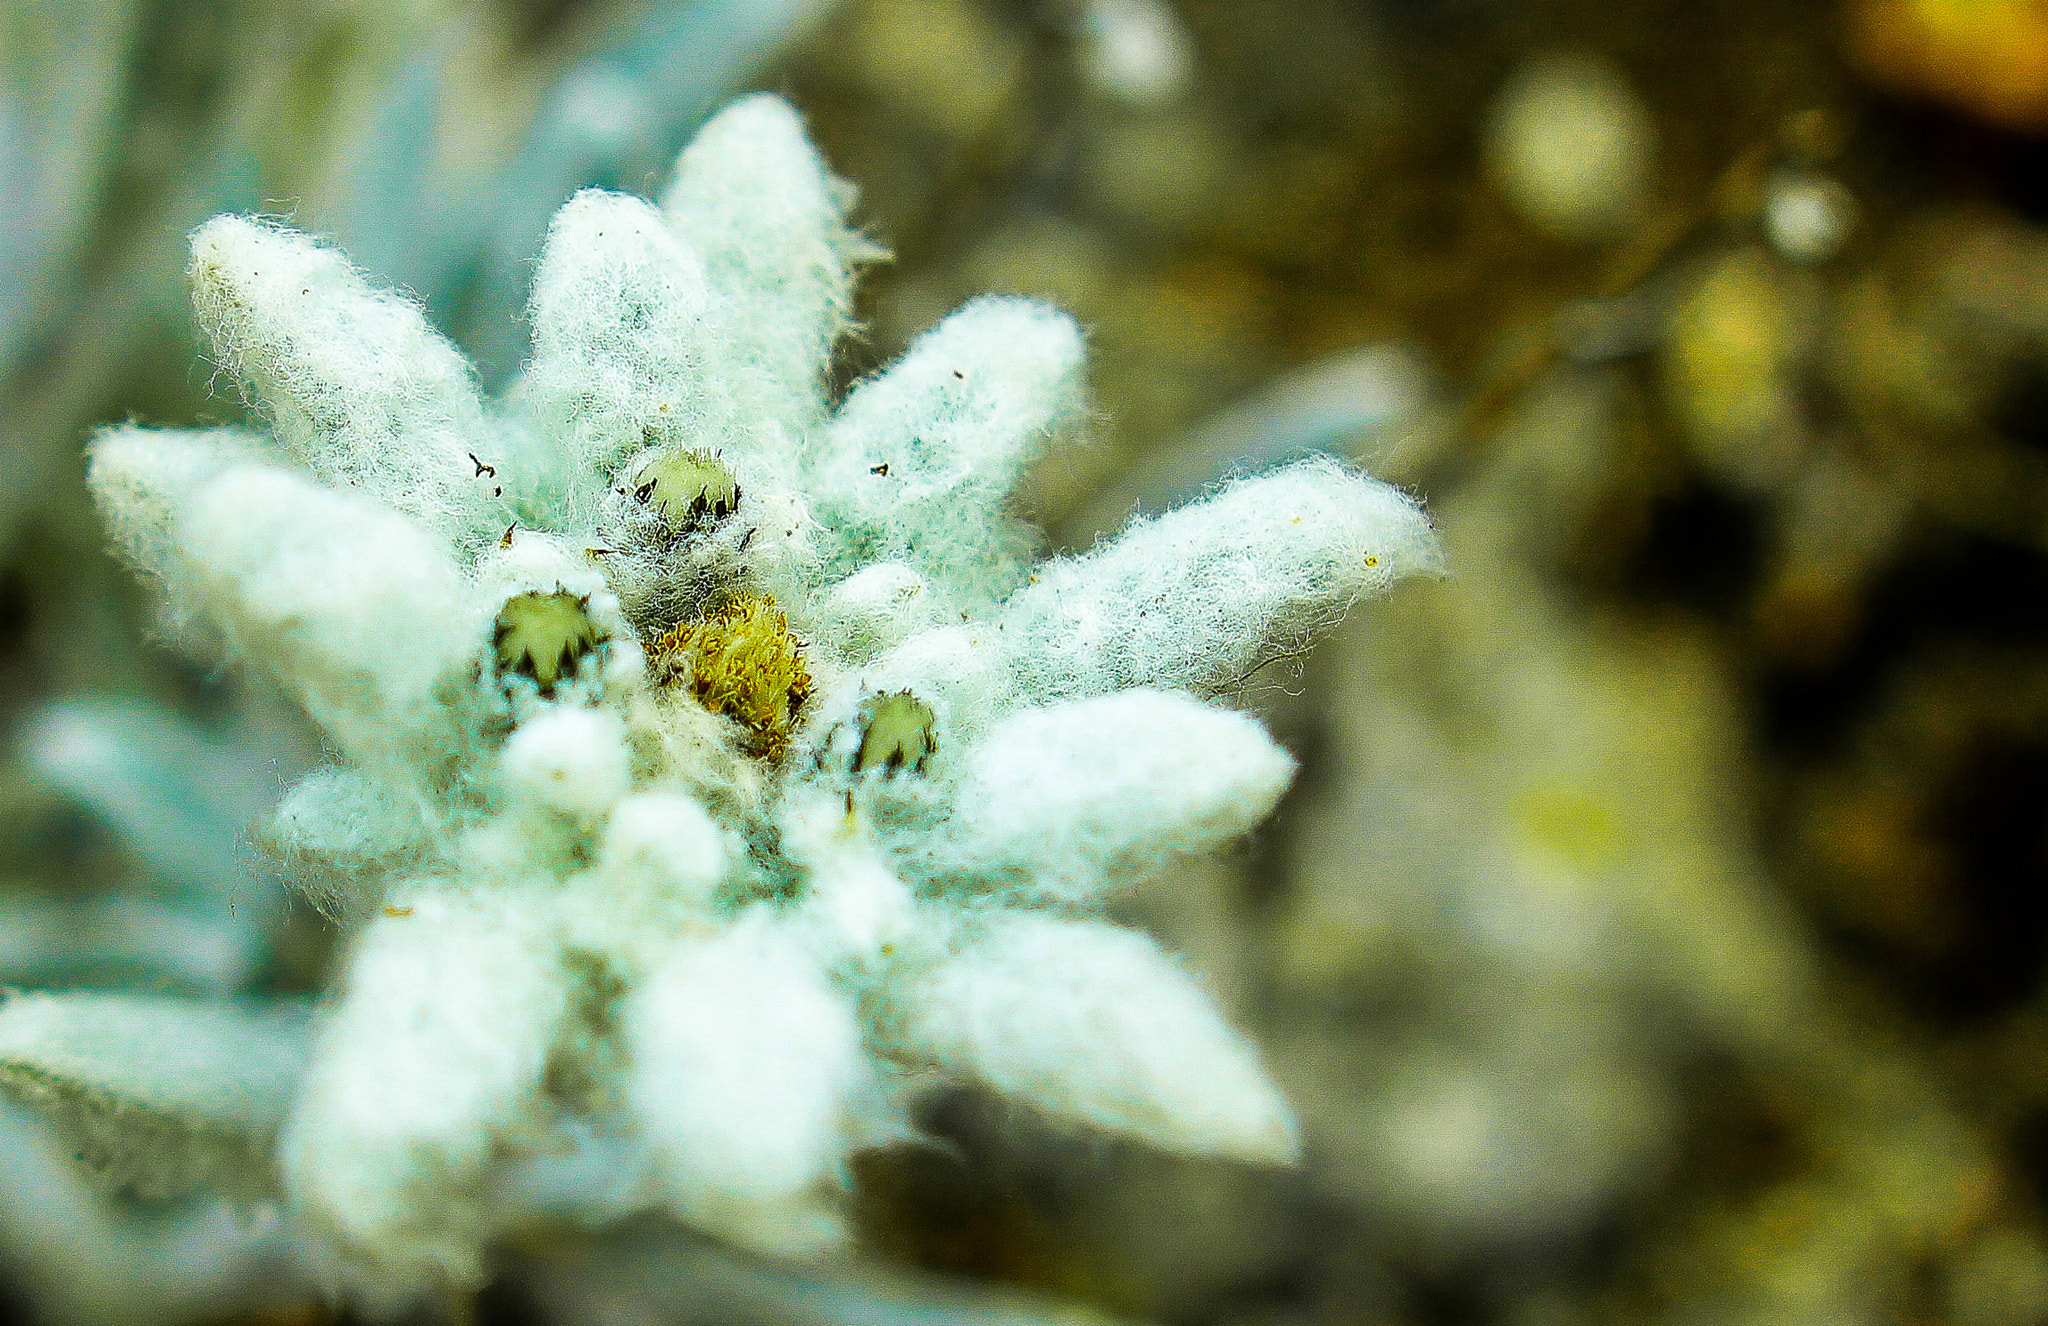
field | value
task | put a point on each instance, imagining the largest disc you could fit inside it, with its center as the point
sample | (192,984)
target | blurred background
(1657,931)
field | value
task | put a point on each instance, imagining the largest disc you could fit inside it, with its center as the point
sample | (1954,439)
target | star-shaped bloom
(713,766)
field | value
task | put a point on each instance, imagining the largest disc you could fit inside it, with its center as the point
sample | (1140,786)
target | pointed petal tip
(1267,1136)
(1386,524)
(761,112)
(232,244)
(762,132)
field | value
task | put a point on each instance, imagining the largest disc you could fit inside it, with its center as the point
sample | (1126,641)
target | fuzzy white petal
(919,462)
(358,611)
(1074,799)
(529,560)
(569,760)
(754,199)
(1197,598)
(1093,1025)
(360,389)
(746,1065)
(857,910)
(874,609)
(338,828)
(619,327)
(431,1060)
(141,479)
(665,843)
(160,1096)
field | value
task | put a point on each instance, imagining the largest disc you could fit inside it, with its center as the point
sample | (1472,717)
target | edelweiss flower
(713,767)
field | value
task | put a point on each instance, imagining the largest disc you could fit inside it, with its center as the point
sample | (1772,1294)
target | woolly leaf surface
(1200,597)
(754,199)
(356,384)
(919,462)
(1093,1025)
(746,1067)
(357,610)
(158,1096)
(620,360)
(141,480)
(433,1058)
(1075,799)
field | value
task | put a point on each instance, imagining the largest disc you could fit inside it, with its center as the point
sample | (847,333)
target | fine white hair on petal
(430,1063)
(338,829)
(754,199)
(1077,798)
(874,609)
(571,760)
(141,479)
(956,670)
(358,611)
(918,463)
(1198,598)
(857,910)
(619,328)
(664,844)
(530,560)
(360,389)
(1092,1024)
(746,1069)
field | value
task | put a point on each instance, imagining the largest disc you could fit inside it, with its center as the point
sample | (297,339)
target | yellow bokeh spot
(1577,827)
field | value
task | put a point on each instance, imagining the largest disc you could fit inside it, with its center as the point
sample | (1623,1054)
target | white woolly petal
(1072,800)
(856,910)
(158,1096)
(1093,1025)
(356,383)
(746,1065)
(659,867)
(337,828)
(957,670)
(357,610)
(1199,597)
(141,479)
(618,336)
(871,610)
(752,197)
(918,463)
(530,560)
(664,843)
(571,760)
(431,1061)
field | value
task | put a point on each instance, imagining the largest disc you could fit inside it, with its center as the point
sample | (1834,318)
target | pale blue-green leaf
(158,1096)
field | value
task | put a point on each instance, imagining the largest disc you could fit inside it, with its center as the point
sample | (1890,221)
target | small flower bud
(896,733)
(544,636)
(688,489)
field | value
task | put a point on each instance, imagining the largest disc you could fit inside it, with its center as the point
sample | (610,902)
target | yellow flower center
(739,660)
